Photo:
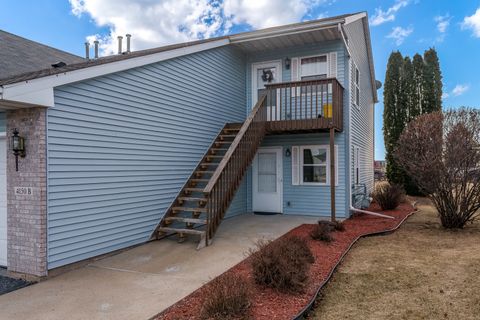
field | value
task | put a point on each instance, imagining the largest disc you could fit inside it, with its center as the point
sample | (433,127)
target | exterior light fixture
(287,63)
(18,146)
(288,153)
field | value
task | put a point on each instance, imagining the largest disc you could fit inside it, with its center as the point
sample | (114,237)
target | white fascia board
(40,91)
(263,34)
(355,17)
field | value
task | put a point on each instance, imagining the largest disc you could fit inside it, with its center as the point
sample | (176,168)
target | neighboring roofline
(37,87)
(43,45)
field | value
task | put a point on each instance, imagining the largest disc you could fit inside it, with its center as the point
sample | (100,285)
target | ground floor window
(311,165)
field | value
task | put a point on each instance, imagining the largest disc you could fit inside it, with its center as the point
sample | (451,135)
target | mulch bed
(270,304)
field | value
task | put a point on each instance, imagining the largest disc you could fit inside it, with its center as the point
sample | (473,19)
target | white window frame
(327,61)
(356,164)
(356,86)
(301,164)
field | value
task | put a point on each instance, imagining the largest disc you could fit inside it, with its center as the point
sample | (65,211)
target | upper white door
(3,201)
(262,74)
(268,181)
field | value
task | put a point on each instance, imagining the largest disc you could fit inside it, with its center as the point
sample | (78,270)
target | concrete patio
(143,281)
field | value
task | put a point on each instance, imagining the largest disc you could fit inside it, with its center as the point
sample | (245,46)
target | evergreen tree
(394,114)
(417,83)
(411,88)
(432,77)
(408,87)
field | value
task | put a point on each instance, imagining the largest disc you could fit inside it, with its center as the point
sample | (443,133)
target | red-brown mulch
(270,304)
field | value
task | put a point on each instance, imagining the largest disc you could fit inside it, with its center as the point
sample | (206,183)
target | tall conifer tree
(394,114)
(432,82)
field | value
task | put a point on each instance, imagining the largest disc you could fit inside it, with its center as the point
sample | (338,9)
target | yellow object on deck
(328,110)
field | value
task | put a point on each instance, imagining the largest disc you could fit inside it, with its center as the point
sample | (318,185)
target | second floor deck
(303,106)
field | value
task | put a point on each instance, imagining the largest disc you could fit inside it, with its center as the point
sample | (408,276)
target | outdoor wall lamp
(288,153)
(287,63)
(18,147)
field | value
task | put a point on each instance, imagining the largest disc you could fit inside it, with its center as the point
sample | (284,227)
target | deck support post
(332,174)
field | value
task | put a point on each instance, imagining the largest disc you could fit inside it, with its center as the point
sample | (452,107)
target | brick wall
(27,215)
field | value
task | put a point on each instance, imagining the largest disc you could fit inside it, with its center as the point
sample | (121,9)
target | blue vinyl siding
(309,200)
(362,117)
(121,146)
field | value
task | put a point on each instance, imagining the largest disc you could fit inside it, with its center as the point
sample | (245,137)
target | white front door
(262,74)
(268,181)
(3,201)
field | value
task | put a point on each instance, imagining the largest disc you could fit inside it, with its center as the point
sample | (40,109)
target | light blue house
(139,145)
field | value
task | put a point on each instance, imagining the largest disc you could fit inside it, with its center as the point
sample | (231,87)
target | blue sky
(410,26)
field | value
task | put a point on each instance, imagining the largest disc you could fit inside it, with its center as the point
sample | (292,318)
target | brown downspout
(332,173)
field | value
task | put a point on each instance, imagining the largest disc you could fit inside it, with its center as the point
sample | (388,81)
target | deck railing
(221,188)
(305,105)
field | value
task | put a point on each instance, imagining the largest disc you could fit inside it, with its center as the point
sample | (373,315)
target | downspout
(351,207)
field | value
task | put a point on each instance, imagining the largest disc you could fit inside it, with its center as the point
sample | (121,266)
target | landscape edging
(309,306)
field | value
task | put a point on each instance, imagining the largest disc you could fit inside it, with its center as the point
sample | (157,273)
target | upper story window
(313,68)
(356,85)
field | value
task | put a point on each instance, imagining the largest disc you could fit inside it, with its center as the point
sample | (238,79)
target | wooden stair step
(192,199)
(199,180)
(193,189)
(227,136)
(175,230)
(215,157)
(204,171)
(189,209)
(218,149)
(186,220)
(209,164)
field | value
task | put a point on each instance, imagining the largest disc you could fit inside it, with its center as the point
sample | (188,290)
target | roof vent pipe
(128,36)
(120,44)
(87,50)
(96,48)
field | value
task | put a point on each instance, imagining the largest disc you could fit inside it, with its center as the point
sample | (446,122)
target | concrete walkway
(141,282)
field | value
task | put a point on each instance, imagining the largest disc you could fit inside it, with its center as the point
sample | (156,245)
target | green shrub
(283,264)
(227,297)
(388,196)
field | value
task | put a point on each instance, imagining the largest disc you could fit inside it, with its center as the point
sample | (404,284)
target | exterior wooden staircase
(290,107)
(204,199)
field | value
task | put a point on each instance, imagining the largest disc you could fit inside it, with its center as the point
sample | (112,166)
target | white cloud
(159,22)
(267,13)
(443,22)
(399,34)
(460,89)
(381,16)
(473,22)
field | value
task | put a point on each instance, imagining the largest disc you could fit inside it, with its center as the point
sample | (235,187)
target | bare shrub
(339,226)
(282,265)
(227,297)
(388,196)
(322,231)
(440,151)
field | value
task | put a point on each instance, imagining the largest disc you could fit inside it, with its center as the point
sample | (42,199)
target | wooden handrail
(302,82)
(225,180)
(228,155)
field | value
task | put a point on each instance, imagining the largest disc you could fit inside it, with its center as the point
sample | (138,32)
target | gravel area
(9,284)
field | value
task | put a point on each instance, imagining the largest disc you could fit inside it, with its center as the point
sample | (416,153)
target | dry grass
(422,271)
